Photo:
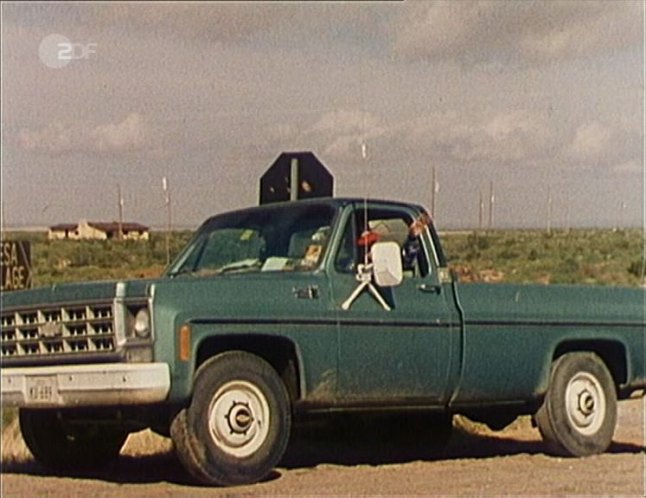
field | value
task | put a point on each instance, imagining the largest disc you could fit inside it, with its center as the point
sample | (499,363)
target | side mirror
(387,264)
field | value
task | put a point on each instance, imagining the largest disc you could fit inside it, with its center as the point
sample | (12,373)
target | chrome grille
(57,330)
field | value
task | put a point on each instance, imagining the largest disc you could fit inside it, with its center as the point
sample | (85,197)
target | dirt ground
(477,462)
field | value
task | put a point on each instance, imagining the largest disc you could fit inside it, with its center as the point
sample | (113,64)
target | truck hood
(75,292)
(231,290)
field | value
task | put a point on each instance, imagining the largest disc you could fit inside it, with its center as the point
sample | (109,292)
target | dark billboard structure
(293,176)
(15,265)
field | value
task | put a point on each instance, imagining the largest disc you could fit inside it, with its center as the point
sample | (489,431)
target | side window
(348,256)
(383,225)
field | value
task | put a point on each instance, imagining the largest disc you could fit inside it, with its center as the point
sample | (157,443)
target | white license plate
(42,389)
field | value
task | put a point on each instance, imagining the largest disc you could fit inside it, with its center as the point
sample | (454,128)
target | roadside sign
(295,175)
(15,265)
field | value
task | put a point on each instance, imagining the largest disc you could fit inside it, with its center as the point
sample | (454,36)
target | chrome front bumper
(85,385)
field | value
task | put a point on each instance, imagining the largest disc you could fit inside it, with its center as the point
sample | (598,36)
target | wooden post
(549,209)
(434,191)
(492,201)
(120,200)
(481,212)
(169,218)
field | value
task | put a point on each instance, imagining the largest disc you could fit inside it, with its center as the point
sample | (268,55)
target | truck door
(403,354)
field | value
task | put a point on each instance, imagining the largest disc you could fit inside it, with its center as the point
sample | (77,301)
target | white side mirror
(387,264)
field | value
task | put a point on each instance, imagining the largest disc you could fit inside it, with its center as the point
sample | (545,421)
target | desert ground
(476,462)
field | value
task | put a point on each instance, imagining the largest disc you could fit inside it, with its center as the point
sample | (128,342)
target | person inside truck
(413,260)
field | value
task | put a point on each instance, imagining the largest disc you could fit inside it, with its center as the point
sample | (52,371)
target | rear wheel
(237,426)
(69,446)
(579,413)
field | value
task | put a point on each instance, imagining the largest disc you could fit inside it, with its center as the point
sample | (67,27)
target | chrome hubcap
(239,418)
(585,403)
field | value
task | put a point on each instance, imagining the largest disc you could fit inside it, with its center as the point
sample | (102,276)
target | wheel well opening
(279,352)
(613,354)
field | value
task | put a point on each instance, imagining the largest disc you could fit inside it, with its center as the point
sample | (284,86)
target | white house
(99,231)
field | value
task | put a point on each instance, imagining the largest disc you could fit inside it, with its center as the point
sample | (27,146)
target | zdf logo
(58,51)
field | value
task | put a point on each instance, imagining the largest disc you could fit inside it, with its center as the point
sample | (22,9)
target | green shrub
(71,260)
(602,257)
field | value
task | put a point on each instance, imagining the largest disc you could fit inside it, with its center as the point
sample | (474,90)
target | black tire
(69,447)
(579,412)
(237,427)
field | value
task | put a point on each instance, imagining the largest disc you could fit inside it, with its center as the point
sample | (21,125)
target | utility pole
(120,200)
(293,180)
(481,212)
(549,209)
(3,220)
(492,201)
(434,191)
(169,218)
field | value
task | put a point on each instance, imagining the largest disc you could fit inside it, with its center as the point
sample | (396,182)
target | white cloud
(488,31)
(505,138)
(335,134)
(591,142)
(609,145)
(342,133)
(574,29)
(127,136)
(502,138)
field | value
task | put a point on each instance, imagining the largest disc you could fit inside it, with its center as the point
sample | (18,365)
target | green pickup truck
(281,311)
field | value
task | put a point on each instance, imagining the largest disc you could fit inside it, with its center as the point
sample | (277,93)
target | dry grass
(13,446)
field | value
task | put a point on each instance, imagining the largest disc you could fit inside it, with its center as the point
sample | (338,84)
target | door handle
(433,289)
(309,292)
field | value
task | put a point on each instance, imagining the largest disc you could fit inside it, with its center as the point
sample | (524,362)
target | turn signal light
(185,343)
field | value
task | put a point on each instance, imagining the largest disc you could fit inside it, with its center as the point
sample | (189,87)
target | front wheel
(237,426)
(579,413)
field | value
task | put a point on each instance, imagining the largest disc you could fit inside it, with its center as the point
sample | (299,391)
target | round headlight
(142,324)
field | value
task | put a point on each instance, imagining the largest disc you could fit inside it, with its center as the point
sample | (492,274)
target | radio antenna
(167,202)
(364,157)
(364,274)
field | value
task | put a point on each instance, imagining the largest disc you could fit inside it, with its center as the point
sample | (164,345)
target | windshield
(286,238)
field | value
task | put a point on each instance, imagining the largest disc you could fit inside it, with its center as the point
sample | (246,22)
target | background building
(99,231)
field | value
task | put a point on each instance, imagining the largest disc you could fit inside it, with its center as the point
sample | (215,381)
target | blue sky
(537,97)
